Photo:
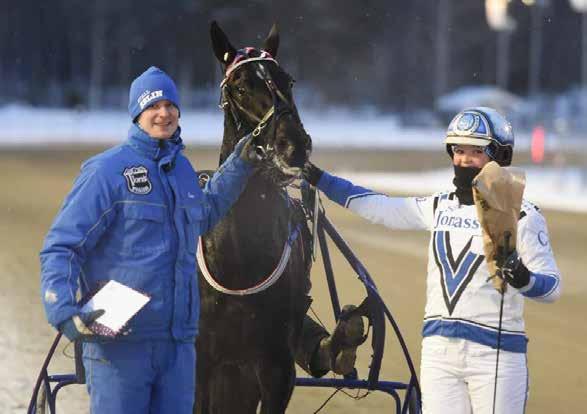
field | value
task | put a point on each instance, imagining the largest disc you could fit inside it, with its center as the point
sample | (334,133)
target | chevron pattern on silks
(498,192)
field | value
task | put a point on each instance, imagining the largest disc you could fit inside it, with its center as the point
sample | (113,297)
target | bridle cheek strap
(229,99)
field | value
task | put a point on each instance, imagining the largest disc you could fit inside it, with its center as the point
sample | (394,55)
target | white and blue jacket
(134,215)
(461,302)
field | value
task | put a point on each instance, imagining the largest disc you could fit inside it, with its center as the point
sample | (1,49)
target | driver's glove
(312,174)
(247,151)
(514,272)
(77,326)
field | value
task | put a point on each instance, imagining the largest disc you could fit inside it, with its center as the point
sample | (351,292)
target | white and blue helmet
(483,127)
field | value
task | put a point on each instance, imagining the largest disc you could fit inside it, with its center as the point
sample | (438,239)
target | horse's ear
(223,50)
(271,43)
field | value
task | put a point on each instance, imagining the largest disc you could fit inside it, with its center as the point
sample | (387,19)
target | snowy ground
(561,188)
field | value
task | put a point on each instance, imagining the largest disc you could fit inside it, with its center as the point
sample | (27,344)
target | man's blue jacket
(134,215)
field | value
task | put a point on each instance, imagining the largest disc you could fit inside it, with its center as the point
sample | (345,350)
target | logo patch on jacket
(137,180)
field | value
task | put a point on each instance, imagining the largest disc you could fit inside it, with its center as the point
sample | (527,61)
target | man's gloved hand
(247,151)
(514,272)
(312,174)
(77,326)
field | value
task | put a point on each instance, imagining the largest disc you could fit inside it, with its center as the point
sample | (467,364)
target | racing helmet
(483,127)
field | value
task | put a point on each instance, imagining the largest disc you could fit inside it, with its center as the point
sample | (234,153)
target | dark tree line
(394,54)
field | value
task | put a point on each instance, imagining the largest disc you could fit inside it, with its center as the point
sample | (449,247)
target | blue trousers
(143,377)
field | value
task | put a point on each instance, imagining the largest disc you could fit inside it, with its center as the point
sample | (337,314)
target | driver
(462,310)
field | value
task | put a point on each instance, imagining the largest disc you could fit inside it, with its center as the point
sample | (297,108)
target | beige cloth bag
(498,192)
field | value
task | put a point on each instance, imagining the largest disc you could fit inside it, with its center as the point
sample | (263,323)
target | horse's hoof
(344,362)
(344,341)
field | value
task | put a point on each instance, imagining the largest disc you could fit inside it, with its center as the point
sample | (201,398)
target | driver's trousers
(457,376)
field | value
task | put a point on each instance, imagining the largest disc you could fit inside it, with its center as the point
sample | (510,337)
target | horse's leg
(276,374)
(233,389)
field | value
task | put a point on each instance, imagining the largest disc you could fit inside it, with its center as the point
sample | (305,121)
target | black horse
(254,266)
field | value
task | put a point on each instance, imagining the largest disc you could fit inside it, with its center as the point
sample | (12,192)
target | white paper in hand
(120,304)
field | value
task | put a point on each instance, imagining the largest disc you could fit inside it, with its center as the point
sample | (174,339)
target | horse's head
(257,97)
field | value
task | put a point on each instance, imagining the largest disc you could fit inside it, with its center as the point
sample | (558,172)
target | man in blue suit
(133,216)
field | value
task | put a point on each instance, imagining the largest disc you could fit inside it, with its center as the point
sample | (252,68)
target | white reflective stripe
(264,284)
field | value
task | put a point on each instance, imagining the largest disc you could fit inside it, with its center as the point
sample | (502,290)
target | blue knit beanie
(151,86)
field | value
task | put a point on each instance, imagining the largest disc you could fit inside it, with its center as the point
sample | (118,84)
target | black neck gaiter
(463,182)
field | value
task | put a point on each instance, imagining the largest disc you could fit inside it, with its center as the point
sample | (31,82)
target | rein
(264,283)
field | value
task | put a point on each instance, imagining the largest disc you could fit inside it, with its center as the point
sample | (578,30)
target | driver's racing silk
(460,300)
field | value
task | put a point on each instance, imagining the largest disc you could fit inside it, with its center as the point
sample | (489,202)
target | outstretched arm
(402,213)
(229,181)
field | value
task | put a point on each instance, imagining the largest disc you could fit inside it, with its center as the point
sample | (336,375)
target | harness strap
(259,287)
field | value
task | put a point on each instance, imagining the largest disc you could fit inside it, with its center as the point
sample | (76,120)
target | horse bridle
(229,102)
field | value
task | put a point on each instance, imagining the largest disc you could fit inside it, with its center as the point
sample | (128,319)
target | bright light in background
(497,15)
(529,2)
(579,5)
